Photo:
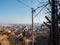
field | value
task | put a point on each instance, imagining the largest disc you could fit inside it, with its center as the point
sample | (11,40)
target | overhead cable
(24,3)
(41,9)
(41,2)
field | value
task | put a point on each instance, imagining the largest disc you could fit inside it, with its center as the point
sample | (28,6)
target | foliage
(11,39)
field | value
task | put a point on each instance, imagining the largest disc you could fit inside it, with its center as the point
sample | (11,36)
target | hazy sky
(12,11)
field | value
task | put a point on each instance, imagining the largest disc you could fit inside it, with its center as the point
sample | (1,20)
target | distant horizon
(14,12)
(18,23)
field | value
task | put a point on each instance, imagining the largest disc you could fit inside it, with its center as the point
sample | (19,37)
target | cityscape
(10,29)
(29,22)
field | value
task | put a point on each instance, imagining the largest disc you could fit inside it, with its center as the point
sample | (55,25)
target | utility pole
(32,26)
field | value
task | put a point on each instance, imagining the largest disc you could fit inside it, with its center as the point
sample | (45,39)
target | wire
(41,6)
(38,19)
(39,12)
(47,9)
(34,3)
(24,4)
(41,2)
(49,1)
(41,9)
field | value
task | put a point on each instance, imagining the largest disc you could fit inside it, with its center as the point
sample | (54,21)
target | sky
(14,12)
